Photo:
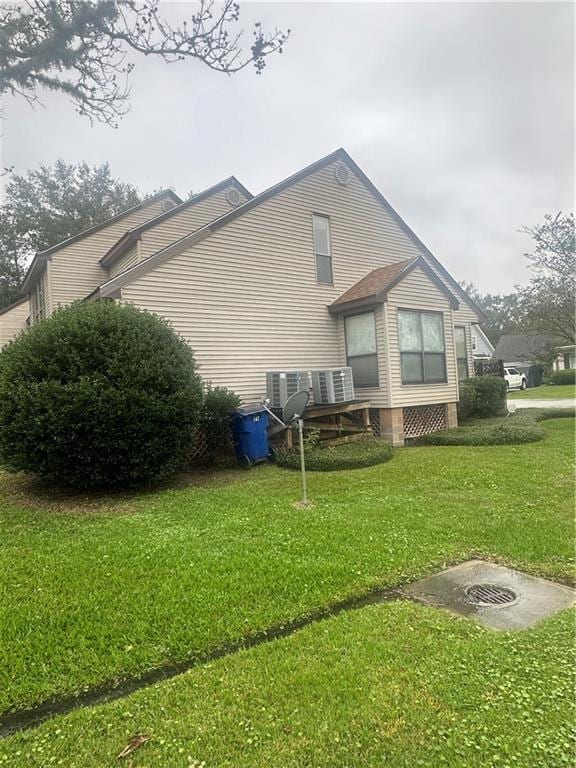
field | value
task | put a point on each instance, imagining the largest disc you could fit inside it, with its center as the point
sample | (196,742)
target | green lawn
(93,590)
(395,685)
(545,392)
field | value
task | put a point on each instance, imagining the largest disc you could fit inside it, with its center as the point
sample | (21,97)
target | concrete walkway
(566,403)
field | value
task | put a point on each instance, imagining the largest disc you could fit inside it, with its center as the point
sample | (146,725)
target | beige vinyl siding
(417,291)
(246,297)
(189,220)
(13,321)
(127,260)
(175,227)
(75,270)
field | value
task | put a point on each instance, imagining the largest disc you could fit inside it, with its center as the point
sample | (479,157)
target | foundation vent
(374,414)
(422,419)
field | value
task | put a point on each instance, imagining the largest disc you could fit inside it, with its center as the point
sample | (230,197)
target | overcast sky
(461,113)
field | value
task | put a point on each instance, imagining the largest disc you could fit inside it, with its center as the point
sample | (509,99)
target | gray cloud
(462,114)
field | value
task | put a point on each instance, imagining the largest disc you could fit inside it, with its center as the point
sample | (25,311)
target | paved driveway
(566,403)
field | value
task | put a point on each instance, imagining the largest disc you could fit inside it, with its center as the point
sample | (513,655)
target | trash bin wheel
(244,461)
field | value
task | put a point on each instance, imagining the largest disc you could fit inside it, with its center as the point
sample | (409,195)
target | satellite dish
(295,406)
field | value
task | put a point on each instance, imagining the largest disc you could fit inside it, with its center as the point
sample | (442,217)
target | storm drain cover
(490,594)
(498,597)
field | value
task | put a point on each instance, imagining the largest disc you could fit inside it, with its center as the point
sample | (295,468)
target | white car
(514,379)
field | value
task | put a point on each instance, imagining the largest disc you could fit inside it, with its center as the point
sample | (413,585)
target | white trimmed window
(422,347)
(322,249)
(361,353)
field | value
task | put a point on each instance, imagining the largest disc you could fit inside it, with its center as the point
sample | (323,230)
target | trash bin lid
(250,409)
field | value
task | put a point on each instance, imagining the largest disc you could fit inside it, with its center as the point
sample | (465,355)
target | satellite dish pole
(293,412)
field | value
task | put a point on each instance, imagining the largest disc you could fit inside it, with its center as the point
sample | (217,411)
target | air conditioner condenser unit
(280,385)
(333,385)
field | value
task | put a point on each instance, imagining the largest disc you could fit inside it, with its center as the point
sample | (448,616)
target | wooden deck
(335,421)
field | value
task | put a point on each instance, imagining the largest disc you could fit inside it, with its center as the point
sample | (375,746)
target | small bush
(482,397)
(541,414)
(218,405)
(561,378)
(100,395)
(506,433)
(353,455)
(520,428)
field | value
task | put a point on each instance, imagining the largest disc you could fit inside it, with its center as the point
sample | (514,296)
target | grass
(545,392)
(98,590)
(397,684)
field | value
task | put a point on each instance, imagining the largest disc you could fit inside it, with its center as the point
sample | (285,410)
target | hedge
(363,452)
(520,428)
(567,376)
(482,397)
(99,395)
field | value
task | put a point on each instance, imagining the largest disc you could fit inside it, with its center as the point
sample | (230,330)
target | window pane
(411,367)
(409,332)
(364,370)
(322,235)
(433,332)
(434,368)
(460,337)
(462,368)
(324,269)
(360,334)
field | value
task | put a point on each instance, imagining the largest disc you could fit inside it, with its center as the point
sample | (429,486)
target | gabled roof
(374,286)
(487,341)
(130,237)
(516,348)
(13,305)
(42,256)
(178,246)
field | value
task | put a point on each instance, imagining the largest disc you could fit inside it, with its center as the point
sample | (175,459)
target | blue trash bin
(250,427)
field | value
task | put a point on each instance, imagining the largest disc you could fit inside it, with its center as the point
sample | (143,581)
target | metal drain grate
(490,594)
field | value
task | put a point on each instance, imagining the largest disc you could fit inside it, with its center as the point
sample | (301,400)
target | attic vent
(342,174)
(167,205)
(233,197)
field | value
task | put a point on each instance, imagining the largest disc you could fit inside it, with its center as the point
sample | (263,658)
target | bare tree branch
(81,48)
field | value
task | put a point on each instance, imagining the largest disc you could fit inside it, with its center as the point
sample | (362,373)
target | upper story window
(461,352)
(322,249)
(361,353)
(422,347)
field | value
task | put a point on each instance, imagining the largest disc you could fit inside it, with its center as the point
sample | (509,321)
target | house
(566,357)
(13,319)
(317,271)
(482,347)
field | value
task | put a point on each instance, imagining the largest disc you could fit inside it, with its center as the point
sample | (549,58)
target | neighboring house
(526,353)
(482,347)
(316,272)
(566,358)
(13,319)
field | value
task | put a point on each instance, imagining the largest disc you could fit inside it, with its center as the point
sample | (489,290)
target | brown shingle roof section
(375,282)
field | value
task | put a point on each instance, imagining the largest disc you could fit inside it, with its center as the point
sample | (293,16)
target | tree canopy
(85,48)
(45,206)
(546,305)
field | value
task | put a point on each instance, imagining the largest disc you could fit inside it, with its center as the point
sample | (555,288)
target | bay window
(361,355)
(422,347)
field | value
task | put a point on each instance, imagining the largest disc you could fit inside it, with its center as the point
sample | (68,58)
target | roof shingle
(375,282)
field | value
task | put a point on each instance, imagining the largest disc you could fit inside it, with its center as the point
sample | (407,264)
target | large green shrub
(100,395)
(218,405)
(359,453)
(567,376)
(482,397)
